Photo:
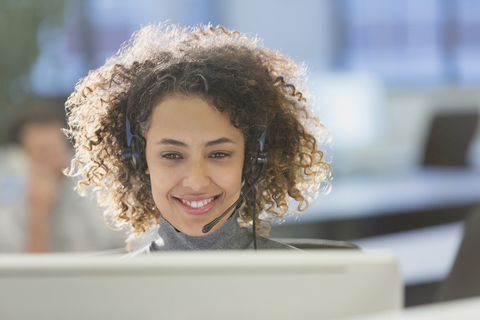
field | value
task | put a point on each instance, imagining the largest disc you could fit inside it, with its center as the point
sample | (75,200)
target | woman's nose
(196,176)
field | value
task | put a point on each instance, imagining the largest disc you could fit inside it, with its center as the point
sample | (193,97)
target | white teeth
(198,204)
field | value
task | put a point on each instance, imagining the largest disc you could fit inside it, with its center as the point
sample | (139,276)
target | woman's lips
(198,206)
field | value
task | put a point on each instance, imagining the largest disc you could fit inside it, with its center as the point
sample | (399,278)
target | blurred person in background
(39,208)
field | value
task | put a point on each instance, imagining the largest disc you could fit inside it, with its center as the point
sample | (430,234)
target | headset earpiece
(131,152)
(262,155)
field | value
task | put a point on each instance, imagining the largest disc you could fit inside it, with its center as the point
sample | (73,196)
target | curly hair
(255,85)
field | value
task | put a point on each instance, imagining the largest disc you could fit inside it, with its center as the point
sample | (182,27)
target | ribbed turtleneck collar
(229,236)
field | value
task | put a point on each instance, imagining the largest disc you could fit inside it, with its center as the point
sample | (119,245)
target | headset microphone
(206,228)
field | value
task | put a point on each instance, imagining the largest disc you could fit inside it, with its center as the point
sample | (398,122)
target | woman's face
(195,160)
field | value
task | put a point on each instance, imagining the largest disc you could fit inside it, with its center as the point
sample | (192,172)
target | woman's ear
(147,171)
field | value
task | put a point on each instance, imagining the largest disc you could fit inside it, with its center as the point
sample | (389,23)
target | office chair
(464,278)
(449,139)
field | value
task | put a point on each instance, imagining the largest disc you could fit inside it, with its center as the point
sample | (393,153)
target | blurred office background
(396,82)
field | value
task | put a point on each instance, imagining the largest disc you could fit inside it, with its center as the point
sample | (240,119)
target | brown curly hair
(255,85)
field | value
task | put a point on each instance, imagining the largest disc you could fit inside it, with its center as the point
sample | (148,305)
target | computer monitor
(318,284)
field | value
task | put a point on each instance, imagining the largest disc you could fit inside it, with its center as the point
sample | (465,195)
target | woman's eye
(219,155)
(172,156)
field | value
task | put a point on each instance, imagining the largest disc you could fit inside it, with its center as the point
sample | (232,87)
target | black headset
(261,156)
(131,152)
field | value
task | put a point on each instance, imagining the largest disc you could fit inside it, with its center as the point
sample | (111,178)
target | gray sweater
(230,236)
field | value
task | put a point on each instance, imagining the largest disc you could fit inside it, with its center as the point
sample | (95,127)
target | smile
(197,207)
(198,204)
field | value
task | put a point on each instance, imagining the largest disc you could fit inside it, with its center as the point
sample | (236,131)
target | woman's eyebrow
(173,142)
(178,143)
(219,141)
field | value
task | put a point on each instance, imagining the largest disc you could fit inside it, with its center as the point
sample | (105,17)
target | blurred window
(467,41)
(95,29)
(407,43)
(410,42)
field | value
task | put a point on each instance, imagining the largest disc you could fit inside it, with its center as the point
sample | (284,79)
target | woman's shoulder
(262,244)
(267,244)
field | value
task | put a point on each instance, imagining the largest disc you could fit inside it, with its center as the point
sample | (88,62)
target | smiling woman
(177,129)
(195,160)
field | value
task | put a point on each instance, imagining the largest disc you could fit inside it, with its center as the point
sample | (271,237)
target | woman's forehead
(188,117)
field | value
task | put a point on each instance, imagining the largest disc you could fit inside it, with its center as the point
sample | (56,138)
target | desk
(425,255)
(365,206)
